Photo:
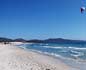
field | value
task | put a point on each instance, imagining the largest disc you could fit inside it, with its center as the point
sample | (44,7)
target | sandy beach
(14,58)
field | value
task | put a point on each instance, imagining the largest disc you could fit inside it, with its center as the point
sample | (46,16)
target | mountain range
(50,40)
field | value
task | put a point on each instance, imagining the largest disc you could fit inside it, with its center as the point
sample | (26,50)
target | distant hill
(61,40)
(58,40)
(19,40)
(51,40)
(2,39)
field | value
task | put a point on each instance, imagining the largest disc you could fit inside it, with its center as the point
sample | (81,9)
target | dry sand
(14,58)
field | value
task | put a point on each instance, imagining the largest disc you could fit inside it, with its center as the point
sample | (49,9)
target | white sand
(13,58)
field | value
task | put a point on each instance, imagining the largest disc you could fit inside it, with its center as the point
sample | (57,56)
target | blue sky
(41,19)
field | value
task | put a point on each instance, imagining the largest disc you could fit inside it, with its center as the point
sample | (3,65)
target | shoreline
(74,64)
(16,58)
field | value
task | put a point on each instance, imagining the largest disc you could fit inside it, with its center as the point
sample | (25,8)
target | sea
(72,54)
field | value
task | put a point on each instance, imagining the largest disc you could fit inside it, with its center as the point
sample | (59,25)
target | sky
(42,19)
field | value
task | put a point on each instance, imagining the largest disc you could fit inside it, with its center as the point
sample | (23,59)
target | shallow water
(74,51)
(72,54)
